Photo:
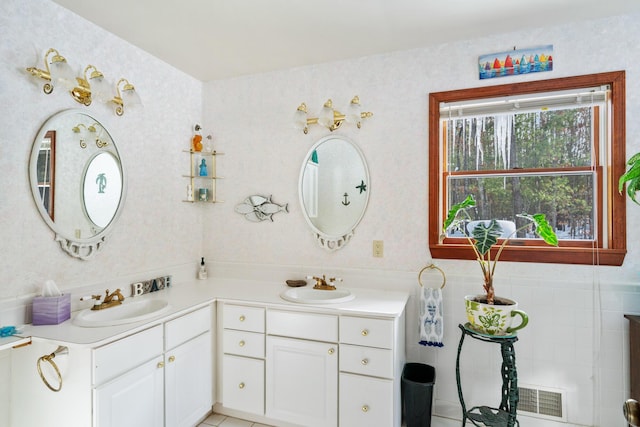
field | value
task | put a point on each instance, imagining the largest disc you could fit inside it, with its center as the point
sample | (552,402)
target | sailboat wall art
(516,62)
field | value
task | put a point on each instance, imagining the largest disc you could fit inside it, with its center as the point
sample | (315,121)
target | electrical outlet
(378,248)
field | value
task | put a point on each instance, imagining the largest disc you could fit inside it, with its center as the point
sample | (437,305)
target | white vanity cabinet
(311,366)
(302,368)
(173,388)
(243,359)
(160,376)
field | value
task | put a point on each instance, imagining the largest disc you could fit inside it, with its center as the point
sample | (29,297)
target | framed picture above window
(555,147)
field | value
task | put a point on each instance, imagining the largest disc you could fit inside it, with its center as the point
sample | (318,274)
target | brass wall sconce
(329,117)
(93,131)
(84,89)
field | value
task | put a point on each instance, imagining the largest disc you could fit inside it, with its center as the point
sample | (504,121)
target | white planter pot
(496,319)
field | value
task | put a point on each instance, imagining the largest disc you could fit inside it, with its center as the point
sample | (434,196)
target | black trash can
(417,393)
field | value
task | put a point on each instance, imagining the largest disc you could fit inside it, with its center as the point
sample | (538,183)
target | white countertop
(184,297)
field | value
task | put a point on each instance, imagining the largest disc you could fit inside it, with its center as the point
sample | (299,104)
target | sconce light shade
(130,97)
(354,113)
(325,118)
(61,73)
(99,86)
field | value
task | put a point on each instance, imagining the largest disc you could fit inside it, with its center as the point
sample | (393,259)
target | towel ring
(431,267)
(49,358)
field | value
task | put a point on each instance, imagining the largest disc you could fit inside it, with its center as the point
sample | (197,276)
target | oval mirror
(334,190)
(77,181)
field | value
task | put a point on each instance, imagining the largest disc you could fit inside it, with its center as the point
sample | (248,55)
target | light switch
(378,248)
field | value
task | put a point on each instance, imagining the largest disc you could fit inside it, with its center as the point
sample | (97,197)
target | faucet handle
(94,297)
(335,279)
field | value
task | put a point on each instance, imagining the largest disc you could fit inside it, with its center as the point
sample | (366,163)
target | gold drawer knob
(331,351)
(160,365)
(365,361)
(365,332)
(172,359)
(241,385)
(242,318)
(365,408)
(241,343)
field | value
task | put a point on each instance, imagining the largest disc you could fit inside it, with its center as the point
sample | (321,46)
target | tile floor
(217,420)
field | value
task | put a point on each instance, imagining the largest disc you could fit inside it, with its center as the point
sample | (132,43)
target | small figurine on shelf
(189,193)
(209,144)
(203,168)
(197,142)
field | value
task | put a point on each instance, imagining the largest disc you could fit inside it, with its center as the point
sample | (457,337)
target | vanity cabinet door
(302,382)
(365,401)
(188,382)
(243,386)
(134,399)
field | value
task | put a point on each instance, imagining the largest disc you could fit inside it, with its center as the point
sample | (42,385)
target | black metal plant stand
(505,415)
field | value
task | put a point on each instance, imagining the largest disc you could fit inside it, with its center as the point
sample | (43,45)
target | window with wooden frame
(554,146)
(46,172)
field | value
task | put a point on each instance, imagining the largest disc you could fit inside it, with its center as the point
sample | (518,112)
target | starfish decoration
(362,187)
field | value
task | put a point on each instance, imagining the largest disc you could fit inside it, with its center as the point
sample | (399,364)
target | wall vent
(542,402)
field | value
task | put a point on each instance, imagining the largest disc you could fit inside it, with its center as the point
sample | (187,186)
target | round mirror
(334,190)
(77,181)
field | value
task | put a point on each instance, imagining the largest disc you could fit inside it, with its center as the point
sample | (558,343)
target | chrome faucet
(108,300)
(321,282)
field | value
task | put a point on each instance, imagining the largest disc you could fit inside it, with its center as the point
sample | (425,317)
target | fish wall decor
(258,208)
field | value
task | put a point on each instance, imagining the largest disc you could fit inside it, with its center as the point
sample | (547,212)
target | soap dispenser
(202,273)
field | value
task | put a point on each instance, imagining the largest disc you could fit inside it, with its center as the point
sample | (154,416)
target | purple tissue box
(51,310)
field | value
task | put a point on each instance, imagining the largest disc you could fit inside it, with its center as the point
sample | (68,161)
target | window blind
(525,103)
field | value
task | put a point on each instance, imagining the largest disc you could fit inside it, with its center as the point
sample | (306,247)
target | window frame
(614,203)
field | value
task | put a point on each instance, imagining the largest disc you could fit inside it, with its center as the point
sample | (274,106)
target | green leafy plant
(484,236)
(632,178)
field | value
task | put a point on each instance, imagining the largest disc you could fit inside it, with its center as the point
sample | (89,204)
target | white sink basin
(127,312)
(316,296)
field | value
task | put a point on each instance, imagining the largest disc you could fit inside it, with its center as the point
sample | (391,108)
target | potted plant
(632,178)
(487,313)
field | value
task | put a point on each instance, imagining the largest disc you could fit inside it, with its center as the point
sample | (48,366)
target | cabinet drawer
(243,318)
(243,343)
(366,401)
(113,359)
(365,331)
(377,362)
(243,384)
(184,328)
(312,326)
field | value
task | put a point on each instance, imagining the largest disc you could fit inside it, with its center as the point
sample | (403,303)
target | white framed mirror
(334,190)
(77,181)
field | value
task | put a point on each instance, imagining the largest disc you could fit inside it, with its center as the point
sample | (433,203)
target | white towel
(431,317)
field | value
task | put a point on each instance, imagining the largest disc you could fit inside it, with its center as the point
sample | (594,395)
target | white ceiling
(216,39)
